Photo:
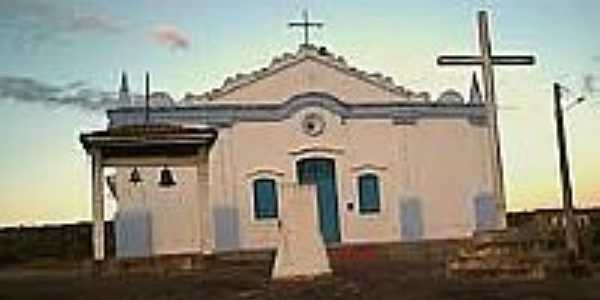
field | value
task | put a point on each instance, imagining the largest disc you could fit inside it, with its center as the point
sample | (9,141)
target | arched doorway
(321,172)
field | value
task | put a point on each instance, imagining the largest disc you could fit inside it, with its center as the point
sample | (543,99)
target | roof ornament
(306,24)
(124,85)
(124,98)
(450,97)
(475,92)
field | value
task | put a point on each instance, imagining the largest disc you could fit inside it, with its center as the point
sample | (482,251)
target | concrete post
(97,205)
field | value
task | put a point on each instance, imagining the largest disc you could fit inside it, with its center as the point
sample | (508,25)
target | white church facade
(389,164)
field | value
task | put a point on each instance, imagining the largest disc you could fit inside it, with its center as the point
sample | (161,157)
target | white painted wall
(172,214)
(442,163)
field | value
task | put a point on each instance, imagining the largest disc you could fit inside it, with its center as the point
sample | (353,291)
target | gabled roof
(320,55)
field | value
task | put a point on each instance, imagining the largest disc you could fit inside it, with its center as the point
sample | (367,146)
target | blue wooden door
(321,172)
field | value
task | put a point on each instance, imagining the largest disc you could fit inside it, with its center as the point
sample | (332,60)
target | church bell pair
(166,177)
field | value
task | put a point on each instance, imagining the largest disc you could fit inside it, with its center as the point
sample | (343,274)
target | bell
(135,177)
(166,178)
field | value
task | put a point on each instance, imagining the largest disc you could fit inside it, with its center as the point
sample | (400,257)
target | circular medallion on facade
(313,124)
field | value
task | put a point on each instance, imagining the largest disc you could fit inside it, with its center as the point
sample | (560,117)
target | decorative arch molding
(315,99)
(368,168)
(317,150)
(265,172)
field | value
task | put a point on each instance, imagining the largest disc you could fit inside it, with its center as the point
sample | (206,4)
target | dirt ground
(247,280)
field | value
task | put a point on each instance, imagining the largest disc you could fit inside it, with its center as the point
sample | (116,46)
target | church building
(204,175)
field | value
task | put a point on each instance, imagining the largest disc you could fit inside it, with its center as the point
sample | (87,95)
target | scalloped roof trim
(321,55)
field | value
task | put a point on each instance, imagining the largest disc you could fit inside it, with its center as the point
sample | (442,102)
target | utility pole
(571,239)
(147,102)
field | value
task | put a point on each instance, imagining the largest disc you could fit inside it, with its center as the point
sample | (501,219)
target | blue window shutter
(368,189)
(265,199)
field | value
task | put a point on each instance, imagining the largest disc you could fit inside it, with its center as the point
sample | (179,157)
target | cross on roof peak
(306,24)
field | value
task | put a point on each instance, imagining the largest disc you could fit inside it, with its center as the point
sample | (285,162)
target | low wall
(21,245)
(72,242)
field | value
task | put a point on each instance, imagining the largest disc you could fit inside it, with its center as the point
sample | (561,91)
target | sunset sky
(59,57)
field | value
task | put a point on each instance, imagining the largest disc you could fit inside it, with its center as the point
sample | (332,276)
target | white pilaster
(206,219)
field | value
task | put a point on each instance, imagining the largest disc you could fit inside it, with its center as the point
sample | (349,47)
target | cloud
(75,94)
(170,36)
(27,8)
(29,21)
(93,23)
(75,84)
(34,22)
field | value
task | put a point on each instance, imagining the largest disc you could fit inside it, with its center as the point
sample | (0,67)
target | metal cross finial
(306,24)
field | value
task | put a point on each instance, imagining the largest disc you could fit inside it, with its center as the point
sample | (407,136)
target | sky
(60,63)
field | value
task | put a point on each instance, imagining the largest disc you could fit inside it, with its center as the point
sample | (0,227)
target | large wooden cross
(487,61)
(306,24)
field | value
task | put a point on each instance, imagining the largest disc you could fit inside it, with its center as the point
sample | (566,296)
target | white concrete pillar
(97,205)
(206,220)
(301,251)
